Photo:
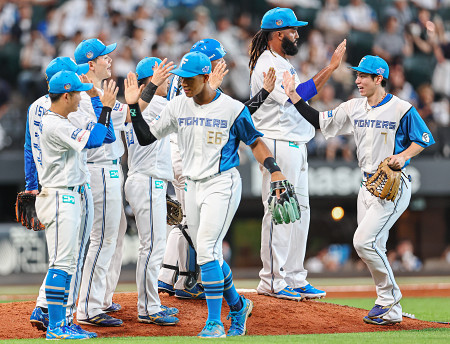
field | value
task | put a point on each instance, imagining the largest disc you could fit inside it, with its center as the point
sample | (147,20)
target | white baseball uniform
(149,170)
(106,183)
(379,131)
(208,137)
(286,133)
(35,113)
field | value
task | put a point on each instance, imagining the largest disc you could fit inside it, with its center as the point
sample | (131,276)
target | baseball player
(286,134)
(109,226)
(209,127)
(178,273)
(63,178)
(383,126)
(33,163)
(149,170)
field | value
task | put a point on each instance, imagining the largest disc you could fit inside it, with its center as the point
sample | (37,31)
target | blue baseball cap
(67,81)
(280,19)
(65,63)
(144,68)
(211,48)
(192,64)
(373,65)
(92,48)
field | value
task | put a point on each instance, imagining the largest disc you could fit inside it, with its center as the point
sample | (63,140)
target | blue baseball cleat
(309,292)
(61,331)
(160,318)
(212,329)
(103,320)
(115,307)
(287,293)
(39,319)
(196,293)
(239,319)
(379,311)
(77,328)
(165,288)
(380,321)
(169,310)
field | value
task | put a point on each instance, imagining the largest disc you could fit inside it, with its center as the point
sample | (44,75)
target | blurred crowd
(413,36)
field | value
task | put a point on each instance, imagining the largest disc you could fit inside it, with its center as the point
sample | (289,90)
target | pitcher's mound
(270,317)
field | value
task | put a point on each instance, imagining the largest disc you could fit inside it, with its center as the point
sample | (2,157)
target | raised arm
(256,101)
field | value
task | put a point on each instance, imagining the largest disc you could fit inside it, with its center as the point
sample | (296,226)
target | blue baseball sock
(212,279)
(229,291)
(54,292)
(66,294)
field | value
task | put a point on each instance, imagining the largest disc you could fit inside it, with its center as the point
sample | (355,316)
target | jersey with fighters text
(381,131)
(85,114)
(208,135)
(152,160)
(277,118)
(61,145)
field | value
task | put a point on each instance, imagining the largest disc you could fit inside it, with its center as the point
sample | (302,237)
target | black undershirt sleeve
(254,103)
(148,92)
(308,113)
(140,126)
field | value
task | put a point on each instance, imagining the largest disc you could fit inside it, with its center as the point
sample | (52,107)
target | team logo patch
(205,69)
(67,87)
(159,184)
(279,22)
(330,113)
(89,54)
(75,133)
(114,174)
(68,199)
(426,137)
(380,71)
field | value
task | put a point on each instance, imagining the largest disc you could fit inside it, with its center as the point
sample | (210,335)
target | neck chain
(368,107)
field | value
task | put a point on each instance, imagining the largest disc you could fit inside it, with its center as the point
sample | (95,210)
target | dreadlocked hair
(257,47)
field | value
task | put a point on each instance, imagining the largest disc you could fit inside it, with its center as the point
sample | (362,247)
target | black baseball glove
(285,209)
(26,211)
(174,211)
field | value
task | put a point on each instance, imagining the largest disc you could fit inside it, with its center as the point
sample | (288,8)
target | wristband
(271,165)
(148,92)
(105,116)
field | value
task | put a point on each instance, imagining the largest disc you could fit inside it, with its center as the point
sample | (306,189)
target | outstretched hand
(269,80)
(338,54)
(93,92)
(161,72)
(289,87)
(110,94)
(132,90)
(217,75)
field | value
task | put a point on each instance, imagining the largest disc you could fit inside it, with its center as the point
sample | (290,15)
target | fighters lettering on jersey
(374,123)
(204,122)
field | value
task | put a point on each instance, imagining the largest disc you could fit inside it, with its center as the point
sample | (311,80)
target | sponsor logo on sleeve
(330,113)
(75,133)
(426,138)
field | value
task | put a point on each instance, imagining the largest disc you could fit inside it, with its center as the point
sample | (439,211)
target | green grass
(397,337)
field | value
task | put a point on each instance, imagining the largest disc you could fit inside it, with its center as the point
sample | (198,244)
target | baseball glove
(26,211)
(174,211)
(385,182)
(285,209)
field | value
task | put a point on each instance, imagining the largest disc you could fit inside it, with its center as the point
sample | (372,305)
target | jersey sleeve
(119,115)
(71,137)
(336,122)
(167,123)
(415,129)
(244,129)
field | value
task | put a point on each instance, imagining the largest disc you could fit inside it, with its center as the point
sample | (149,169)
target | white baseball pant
(147,198)
(283,246)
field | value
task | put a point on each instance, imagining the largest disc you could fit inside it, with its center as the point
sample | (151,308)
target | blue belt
(114,162)
(78,189)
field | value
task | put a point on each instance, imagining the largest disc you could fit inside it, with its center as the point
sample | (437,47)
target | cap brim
(84,87)
(183,73)
(109,48)
(300,23)
(83,68)
(362,70)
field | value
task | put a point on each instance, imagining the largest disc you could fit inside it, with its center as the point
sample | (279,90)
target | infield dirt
(270,317)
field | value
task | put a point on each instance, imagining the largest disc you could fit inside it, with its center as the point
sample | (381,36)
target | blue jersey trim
(412,128)
(243,130)
(31,176)
(387,98)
